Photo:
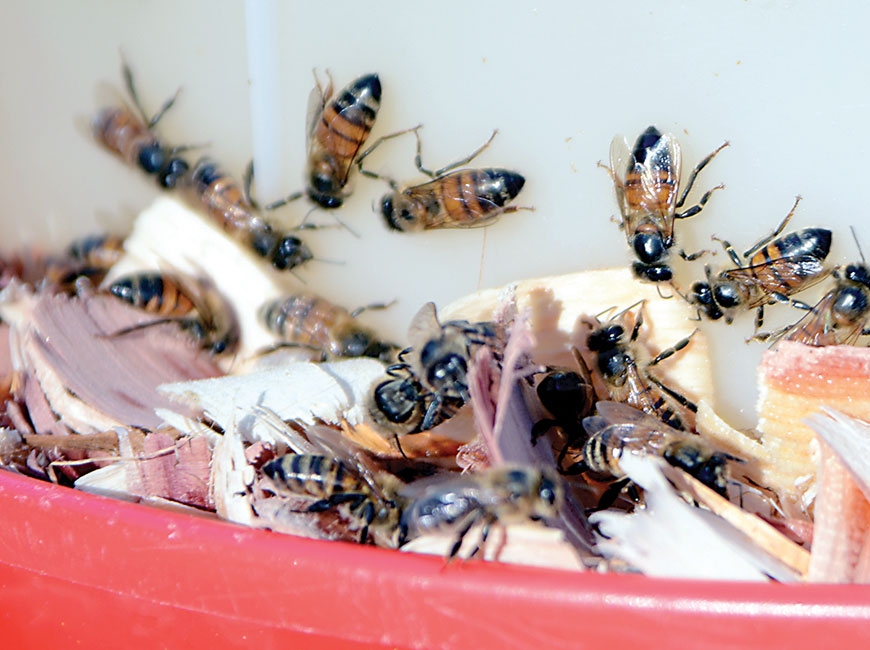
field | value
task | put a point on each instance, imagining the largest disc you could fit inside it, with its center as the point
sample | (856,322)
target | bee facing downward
(466,198)
(228,205)
(336,133)
(647,183)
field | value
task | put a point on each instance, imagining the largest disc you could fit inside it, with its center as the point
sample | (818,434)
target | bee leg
(541,427)
(611,494)
(691,257)
(431,413)
(769,238)
(671,351)
(695,209)
(418,159)
(472,518)
(247,185)
(131,88)
(729,249)
(694,175)
(377,143)
(374,305)
(682,399)
(578,468)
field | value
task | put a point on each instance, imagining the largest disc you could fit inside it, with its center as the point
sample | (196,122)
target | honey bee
(333,483)
(647,183)
(501,495)
(337,130)
(228,205)
(440,355)
(129,133)
(314,322)
(618,429)
(89,257)
(777,267)
(841,317)
(400,405)
(466,198)
(569,396)
(197,308)
(635,386)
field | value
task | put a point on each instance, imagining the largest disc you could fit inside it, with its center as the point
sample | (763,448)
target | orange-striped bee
(636,386)
(647,183)
(192,304)
(229,206)
(618,429)
(777,268)
(337,130)
(466,198)
(129,133)
(310,321)
(841,317)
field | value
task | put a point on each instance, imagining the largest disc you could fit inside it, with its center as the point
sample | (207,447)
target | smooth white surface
(785,82)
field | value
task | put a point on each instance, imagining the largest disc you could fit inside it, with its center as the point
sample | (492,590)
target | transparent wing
(316,101)
(424,325)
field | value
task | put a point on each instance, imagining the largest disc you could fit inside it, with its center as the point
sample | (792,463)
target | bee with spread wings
(647,183)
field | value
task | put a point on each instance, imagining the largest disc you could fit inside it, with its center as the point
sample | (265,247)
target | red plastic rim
(78,568)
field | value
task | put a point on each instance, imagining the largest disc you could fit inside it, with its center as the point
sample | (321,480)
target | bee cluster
(539,443)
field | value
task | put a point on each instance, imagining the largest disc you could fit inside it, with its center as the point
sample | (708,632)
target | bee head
(290,253)
(605,338)
(400,213)
(446,372)
(652,272)
(397,401)
(172,172)
(702,296)
(356,344)
(858,273)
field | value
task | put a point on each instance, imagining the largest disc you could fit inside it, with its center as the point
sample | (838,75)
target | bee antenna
(661,295)
(857,243)
(329,261)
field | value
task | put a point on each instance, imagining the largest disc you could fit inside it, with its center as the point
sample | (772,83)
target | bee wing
(815,327)
(331,442)
(424,325)
(316,102)
(621,159)
(799,271)
(632,425)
